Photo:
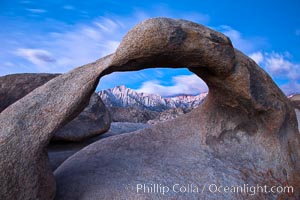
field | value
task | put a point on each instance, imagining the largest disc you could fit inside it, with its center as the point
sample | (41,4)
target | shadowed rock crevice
(208,145)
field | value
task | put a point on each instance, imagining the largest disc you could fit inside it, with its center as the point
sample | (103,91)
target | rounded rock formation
(60,151)
(244,133)
(92,121)
(15,86)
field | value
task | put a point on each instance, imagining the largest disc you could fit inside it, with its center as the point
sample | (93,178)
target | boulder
(58,152)
(245,132)
(15,86)
(118,128)
(94,119)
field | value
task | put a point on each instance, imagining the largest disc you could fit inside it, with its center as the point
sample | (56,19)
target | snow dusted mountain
(121,96)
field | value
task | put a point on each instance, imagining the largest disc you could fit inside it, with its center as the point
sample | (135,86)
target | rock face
(298,118)
(118,128)
(121,96)
(119,114)
(14,87)
(92,121)
(245,132)
(132,115)
(167,115)
(295,99)
(58,152)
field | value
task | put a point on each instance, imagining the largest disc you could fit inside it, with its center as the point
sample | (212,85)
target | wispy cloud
(279,66)
(182,84)
(61,51)
(36,10)
(68,7)
(109,25)
(72,45)
(247,45)
(292,87)
(297,32)
(86,43)
(26,2)
(257,57)
(196,17)
(36,56)
(162,10)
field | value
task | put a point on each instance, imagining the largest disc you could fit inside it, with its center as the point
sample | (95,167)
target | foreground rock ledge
(244,133)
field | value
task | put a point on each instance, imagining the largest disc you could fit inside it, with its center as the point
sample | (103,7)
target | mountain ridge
(121,96)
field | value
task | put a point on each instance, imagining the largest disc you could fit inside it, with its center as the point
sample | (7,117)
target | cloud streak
(72,45)
(35,56)
(239,41)
(36,10)
(182,84)
(58,52)
(68,7)
(65,46)
(279,66)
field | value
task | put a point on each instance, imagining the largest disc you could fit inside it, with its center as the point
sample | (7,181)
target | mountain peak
(121,96)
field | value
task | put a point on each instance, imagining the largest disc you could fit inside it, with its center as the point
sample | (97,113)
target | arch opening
(165,82)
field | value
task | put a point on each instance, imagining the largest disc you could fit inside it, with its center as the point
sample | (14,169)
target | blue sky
(58,35)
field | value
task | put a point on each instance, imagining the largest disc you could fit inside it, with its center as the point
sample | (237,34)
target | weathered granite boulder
(93,120)
(14,87)
(244,133)
(58,152)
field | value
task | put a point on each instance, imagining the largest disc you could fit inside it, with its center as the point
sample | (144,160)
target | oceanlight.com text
(212,188)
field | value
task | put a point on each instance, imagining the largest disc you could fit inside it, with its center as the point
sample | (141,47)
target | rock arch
(243,105)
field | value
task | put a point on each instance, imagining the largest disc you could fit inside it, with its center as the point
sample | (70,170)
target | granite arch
(242,99)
